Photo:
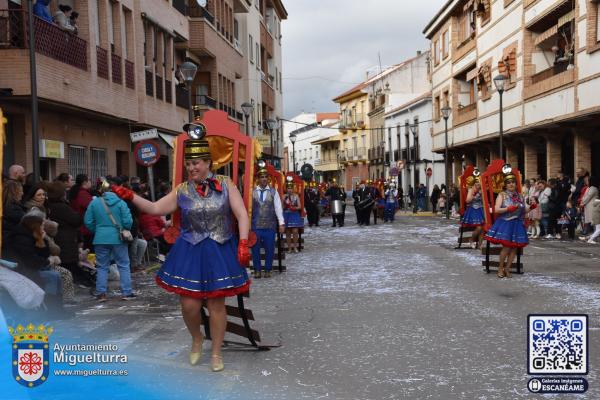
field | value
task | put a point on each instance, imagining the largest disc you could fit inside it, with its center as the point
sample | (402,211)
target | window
(593,23)
(446,99)
(436,108)
(77,160)
(467,26)
(445,44)
(436,52)
(484,10)
(258,60)
(507,66)
(251,49)
(98,163)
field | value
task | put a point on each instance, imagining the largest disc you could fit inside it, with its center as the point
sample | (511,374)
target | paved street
(384,312)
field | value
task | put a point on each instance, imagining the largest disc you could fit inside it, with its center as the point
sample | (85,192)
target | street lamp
(247,108)
(35,138)
(293,140)
(446,114)
(188,70)
(414,128)
(382,144)
(271,125)
(500,82)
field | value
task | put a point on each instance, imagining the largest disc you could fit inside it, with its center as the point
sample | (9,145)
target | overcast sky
(338,40)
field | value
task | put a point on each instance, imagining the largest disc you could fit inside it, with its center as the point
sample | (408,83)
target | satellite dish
(201,3)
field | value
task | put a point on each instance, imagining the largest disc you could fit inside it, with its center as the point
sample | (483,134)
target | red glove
(243,253)
(122,192)
(511,208)
(533,206)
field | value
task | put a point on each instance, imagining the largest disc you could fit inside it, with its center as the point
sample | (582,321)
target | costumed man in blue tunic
(391,196)
(509,227)
(267,218)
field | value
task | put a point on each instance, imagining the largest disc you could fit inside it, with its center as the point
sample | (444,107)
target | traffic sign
(429,171)
(143,135)
(146,153)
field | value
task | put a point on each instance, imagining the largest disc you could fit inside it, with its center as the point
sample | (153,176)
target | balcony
(102,62)
(376,153)
(465,114)
(268,94)
(203,100)
(130,75)
(181,97)
(117,69)
(50,40)
(195,11)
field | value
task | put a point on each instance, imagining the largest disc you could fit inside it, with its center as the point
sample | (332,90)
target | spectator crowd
(72,233)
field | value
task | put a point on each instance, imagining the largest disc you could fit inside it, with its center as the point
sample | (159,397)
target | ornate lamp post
(446,114)
(500,82)
(247,108)
(188,70)
(293,140)
(271,125)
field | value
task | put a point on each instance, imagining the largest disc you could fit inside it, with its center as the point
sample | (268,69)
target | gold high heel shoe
(216,363)
(195,356)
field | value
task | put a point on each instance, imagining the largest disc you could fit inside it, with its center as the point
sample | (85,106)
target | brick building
(118,75)
(548,50)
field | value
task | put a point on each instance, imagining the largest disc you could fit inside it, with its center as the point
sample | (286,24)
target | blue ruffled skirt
(293,219)
(204,270)
(508,233)
(473,217)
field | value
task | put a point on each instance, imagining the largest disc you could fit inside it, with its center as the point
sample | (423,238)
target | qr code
(557,344)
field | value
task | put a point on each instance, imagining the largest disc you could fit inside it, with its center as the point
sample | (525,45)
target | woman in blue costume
(509,227)
(202,264)
(292,216)
(473,216)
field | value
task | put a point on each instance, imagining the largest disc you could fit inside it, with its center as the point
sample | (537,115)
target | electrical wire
(315,126)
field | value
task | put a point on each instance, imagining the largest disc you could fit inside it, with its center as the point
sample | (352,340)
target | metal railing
(181,97)
(50,40)
(159,86)
(196,11)
(117,69)
(168,91)
(102,62)
(150,83)
(129,74)
(205,100)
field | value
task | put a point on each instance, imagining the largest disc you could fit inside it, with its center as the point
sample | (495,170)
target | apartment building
(119,74)
(313,132)
(260,40)
(548,52)
(355,139)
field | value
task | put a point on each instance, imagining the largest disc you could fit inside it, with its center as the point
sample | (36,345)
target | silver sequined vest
(508,201)
(204,217)
(263,212)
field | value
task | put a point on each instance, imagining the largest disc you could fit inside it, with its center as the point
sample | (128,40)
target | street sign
(143,135)
(401,164)
(394,171)
(263,140)
(146,153)
(429,171)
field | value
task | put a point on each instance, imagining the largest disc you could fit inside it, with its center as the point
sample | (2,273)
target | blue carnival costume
(473,215)
(509,228)
(203,261)
(291,212)
(390,204)
(266,214)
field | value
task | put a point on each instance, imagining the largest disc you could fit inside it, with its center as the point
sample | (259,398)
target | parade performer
(292,216)
(509,228)
(356,200)
(267,215)
(391,195)
(473,215)
(336,193)
(207,262)
(365,203)
(375,195)
(311,203)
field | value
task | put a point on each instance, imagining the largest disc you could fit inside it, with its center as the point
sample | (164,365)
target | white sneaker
(548,236)
(558,236)
(473,245)
(591,241)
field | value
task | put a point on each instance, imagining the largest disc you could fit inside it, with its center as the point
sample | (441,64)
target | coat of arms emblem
(30,350)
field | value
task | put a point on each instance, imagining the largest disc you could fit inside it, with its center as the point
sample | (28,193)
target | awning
(168,138)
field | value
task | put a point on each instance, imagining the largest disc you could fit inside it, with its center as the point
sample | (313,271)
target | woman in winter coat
(12,210)
(79,198)
(69,224)
(587,201)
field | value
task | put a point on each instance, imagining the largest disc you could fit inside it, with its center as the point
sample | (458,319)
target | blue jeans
(104,254)
(52,282)
(265,238)
(544,224)
(389,211)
